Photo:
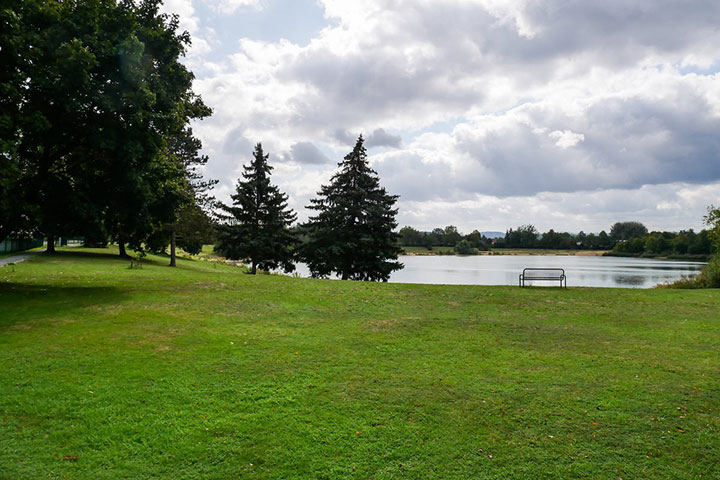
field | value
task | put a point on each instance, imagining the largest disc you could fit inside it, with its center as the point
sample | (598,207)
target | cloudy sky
(487,114)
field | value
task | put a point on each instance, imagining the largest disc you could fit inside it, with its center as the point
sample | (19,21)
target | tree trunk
(345,275)
(172,248)
(50,243)
(254,268)
(121,247)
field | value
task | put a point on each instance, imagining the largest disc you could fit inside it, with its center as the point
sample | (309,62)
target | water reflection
(630,280)
(504,270)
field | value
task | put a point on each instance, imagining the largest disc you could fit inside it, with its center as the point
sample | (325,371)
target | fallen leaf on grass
(71,458)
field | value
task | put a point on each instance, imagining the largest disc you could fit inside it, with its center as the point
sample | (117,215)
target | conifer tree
(352,234)
(258,222)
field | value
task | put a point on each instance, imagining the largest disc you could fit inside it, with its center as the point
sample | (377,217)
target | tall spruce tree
(258,222)
(352,234)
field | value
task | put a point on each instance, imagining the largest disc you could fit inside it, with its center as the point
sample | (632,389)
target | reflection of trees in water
(630,279)
(636,280)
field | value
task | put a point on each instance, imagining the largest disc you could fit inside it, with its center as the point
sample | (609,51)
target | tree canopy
(627,230)
(93,92)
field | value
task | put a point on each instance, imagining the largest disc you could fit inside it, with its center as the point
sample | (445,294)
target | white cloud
(584,100)
(566,138)
(229,7)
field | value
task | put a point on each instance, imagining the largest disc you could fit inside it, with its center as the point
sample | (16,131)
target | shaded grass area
(205,372)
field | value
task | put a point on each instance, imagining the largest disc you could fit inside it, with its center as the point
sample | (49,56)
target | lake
(581,271)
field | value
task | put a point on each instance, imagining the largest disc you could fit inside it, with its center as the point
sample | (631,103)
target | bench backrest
(529,273)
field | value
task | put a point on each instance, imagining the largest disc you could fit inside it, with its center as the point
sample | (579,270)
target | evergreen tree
(352,234)
(258,221)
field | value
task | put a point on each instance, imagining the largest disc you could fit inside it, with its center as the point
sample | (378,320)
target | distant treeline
(449,236)
(625,238)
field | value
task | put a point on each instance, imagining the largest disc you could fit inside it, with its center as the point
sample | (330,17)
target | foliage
(686,242)
(464,247)
(185,205)
(448,236)
(92,93)
(627,230)
(525,236)
(258,222)
(353,232)
(709,277)
(712,220)
(194,228)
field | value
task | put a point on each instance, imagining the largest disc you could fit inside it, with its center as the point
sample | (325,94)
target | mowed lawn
(206,372)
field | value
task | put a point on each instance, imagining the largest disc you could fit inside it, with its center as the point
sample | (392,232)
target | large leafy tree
(353,234)
(258,222)
(182,207)
(149,102)
(712,220)
(627,230)
(96,91)
(45,115)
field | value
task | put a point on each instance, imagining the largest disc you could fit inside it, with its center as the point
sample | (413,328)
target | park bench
(547,274)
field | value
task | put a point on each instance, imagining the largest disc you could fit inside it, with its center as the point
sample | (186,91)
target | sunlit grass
(206,372)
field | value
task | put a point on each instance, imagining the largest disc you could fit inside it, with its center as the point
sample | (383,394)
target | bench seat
(545,274)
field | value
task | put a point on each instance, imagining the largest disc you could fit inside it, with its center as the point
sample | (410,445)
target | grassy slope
(203,372)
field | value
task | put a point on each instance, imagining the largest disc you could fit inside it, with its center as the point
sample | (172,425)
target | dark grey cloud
(306,153)
(380,138)
(344,137)
(616,143)
(626,143)
(236,144)
(377,138)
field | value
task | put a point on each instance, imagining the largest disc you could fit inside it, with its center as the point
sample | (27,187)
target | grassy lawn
(205,372)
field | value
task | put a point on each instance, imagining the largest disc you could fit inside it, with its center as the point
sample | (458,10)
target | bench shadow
(22,302)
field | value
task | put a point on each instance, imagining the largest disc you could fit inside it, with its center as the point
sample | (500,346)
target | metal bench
(548,274)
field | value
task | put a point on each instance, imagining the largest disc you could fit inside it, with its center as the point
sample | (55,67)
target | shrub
(709,276)
(463,247)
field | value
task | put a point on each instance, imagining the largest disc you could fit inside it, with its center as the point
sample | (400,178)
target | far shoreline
(447,251)
(444,251)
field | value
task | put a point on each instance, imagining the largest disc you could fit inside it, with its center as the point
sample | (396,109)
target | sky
(483,114)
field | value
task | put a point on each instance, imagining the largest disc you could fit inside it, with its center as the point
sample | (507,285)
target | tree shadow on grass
(159,259)
(104,255)
(21,302)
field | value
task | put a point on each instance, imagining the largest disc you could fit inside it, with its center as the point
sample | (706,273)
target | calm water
(504,270)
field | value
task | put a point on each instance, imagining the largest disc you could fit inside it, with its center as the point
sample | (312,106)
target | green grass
(205,372)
